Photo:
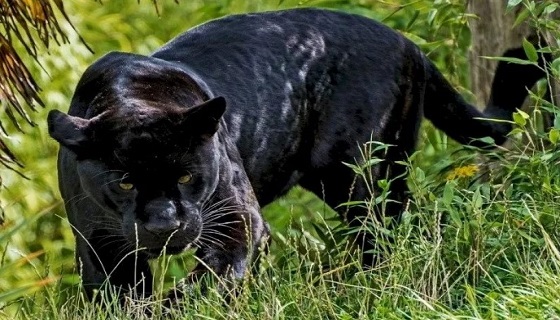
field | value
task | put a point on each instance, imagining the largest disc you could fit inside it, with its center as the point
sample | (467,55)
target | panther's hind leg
(373,209)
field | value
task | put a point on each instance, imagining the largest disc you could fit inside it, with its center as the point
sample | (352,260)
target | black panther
(181,148)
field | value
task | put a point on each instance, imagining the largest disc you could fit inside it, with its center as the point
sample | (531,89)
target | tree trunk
(491,35)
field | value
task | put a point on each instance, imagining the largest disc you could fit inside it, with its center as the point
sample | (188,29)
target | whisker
(217,216)
(206,240)
(77,198)
(216,226)
(219,234)
(111,181)
(222,208)
(107,222)
(214,204)
(220,224)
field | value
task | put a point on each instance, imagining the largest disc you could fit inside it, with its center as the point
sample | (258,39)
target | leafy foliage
(25,26)
(478,238)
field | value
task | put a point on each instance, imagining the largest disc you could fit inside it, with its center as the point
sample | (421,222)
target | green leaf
(511,60)
(448,193)
(351,204)
(546,156)
(555,66)
(371,162)
(456,218)
(542,86)
(382,184)
(522,16)
(513,3)
(551,8)
(524,114)
(415,38)
(354,167)
(553,135)
(431,16)
(432,196)
(320,233)
(528,237)
(488,140)
(477,199)
(519,119)
(530,51)
(557,120)
(412,20)
(419,174)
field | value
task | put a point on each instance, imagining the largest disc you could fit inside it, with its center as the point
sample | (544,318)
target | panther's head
(147,155)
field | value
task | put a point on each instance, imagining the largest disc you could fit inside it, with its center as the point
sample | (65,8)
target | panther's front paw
(198,285)
(186,288)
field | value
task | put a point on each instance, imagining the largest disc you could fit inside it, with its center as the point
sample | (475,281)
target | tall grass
(478,238)
(474,242)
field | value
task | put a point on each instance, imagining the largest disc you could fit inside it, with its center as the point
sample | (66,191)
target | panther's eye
(126,186)
(185,179)
(125,183)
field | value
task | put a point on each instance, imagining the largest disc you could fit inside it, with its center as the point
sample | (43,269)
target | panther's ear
(68,130)
(205,117)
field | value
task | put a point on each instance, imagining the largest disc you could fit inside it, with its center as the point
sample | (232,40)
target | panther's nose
(162,226)
(162,216)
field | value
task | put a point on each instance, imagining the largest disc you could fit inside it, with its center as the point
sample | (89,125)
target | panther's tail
(448,111)
(511,80)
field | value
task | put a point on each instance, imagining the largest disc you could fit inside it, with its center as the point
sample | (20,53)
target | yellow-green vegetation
(479,238)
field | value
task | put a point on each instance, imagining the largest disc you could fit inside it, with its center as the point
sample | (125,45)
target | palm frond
(26,25)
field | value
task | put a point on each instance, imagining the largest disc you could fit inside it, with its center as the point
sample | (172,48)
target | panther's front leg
(229,253)
(104,262)
(233,230)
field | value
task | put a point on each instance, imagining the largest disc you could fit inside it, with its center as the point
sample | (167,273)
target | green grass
(425,277)
(480,246)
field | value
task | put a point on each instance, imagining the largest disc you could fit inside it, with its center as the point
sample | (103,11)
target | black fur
(301,89)
(511,80)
